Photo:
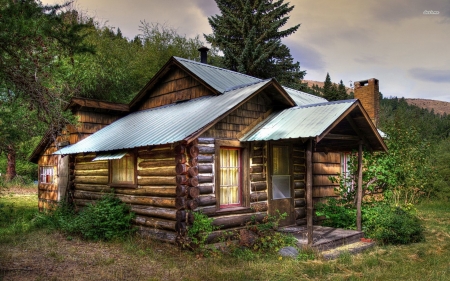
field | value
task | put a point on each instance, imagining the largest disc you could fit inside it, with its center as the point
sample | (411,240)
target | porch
(331,242)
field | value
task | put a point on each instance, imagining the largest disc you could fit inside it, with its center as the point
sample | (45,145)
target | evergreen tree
(327,88)
(342,91)
(248,33)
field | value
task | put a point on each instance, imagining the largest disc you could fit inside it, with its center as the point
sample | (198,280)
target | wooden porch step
(324,238)
(352,248)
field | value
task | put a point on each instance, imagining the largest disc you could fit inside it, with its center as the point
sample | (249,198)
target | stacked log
(207,199)
(258,173)
(299,183)
(187,190)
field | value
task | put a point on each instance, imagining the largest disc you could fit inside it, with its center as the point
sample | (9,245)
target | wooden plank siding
(240,120)
(176,86)
(324,166)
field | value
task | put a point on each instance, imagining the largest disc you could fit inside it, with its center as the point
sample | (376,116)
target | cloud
(431,75)
(395,11)
(207,7)
(369,59)
(308,57)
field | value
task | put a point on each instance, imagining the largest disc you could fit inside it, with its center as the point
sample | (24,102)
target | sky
(405,44)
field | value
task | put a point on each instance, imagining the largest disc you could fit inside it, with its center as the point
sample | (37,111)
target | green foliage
(248,33)
(34,38)
(392,225)
(338,212)
(269,240)
(107,219)
(441,159)
(199,231)
(121,67)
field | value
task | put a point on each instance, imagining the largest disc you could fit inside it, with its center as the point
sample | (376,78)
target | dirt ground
(45,255)
(52,256)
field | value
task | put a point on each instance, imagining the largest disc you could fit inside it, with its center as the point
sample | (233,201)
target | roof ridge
(212,66)
(324,103)
(303,92)
(246,85)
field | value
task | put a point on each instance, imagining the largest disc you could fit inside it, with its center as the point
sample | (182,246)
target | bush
(338,213)
(392,225)
(107,219)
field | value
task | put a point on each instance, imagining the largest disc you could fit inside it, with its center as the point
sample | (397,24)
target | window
(46,174)
(230,177)
(281,179)
(122,170)
(345,170)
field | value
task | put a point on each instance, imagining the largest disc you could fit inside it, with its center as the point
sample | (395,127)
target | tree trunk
(11,168)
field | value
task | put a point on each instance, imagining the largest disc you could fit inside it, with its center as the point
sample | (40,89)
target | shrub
(199,231)
(338,213)
(107,219)
(392,225)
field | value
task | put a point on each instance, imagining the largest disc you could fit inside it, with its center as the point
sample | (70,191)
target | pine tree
(327,88)
(248,33)
(342,91)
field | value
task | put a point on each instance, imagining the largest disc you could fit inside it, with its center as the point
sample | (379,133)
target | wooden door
(63,176)
(281,191)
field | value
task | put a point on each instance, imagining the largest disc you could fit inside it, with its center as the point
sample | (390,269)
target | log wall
(176,86)
(163,194)
(299,164)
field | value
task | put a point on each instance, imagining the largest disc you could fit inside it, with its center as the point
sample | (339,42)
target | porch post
(309,202)
(359,191)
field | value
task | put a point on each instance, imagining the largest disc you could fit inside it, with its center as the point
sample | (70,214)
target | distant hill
(440,107)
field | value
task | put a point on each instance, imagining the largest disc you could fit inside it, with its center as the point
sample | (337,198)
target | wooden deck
(324,238)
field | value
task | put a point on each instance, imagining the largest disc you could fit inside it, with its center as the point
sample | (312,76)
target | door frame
(286,204)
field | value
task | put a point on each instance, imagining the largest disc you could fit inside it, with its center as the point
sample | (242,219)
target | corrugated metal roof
(302,98)
(161,125)
(299,122)
(225,80)
(110,156)
(222,80)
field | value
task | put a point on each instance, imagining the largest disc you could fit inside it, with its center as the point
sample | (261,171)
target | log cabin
(202,138)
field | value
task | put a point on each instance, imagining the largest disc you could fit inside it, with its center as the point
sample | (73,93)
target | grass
(30,253)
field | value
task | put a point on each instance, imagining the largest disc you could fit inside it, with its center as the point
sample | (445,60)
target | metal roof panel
(161,125)
(299,122)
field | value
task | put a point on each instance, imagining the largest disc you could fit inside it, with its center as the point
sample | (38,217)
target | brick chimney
(367,91)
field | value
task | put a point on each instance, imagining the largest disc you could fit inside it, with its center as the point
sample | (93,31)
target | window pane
(123,170)
(281,187)
(280,160)
(46,174)
(229,176)
(281,179)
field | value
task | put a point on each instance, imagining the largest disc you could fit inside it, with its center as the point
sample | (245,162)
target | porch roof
(335,126)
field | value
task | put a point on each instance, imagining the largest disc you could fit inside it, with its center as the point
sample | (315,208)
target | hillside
(440,107)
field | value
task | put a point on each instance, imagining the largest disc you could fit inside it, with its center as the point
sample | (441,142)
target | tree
(121,67)
(33,40)
(17,128)
(248,33)
(342,91)
(328,88)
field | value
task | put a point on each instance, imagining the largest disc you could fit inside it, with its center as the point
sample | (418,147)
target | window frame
(289,175)
(243,174)
(52,176)
(123,184)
